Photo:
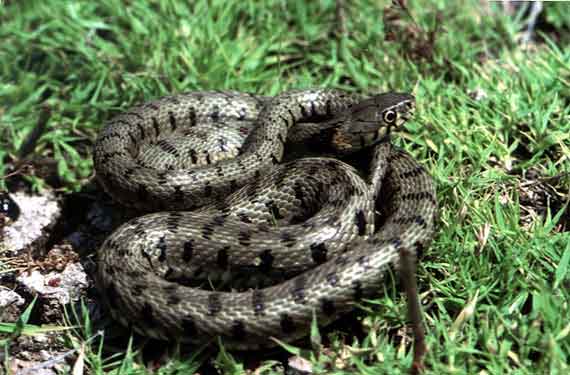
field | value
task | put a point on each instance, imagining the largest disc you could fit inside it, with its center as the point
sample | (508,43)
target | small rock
(38,214)
(11,305)
(9,297)
(300,365)
(65,286)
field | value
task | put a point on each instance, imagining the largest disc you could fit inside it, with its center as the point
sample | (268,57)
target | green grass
(494,303)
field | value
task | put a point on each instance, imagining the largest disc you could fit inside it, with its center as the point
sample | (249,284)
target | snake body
(237,208)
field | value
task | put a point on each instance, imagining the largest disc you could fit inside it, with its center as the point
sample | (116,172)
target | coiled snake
(217,154)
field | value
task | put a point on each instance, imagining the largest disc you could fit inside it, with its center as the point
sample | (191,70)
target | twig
(408,275)
(341,18)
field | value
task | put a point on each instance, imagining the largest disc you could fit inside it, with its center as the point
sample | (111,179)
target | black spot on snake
(188,250)
(134,114)
(287,324)
(411,173)
(172,120)
(244,238)
(418,196)
(284,120)
(215,115)
(193,156)
(233,185)
(314,111)
(214,304)
(328,107)
(266,259)
(293,117)
(173,221)
(238,330)
(303,111)
(327,306)
(156,126)
(151,105)
(161,178)
(207,231)
(208,158)
(222,142)
(298,291)
(192,116)
(318,252)
(280,138)
(257,301)
(141,131)
(360,221)
(222,257)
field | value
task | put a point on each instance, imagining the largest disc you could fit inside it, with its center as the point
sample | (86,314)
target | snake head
(370,122)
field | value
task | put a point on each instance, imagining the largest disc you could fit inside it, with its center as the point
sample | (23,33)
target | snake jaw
(371,121)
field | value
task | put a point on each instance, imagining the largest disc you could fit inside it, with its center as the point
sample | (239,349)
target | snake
(210,173)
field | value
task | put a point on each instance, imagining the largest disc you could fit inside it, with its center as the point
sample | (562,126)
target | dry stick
(408,274)
(341,18)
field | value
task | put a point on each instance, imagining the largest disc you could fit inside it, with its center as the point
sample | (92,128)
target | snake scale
(208,167)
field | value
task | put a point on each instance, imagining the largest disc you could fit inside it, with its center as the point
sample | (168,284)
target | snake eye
(390,117)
